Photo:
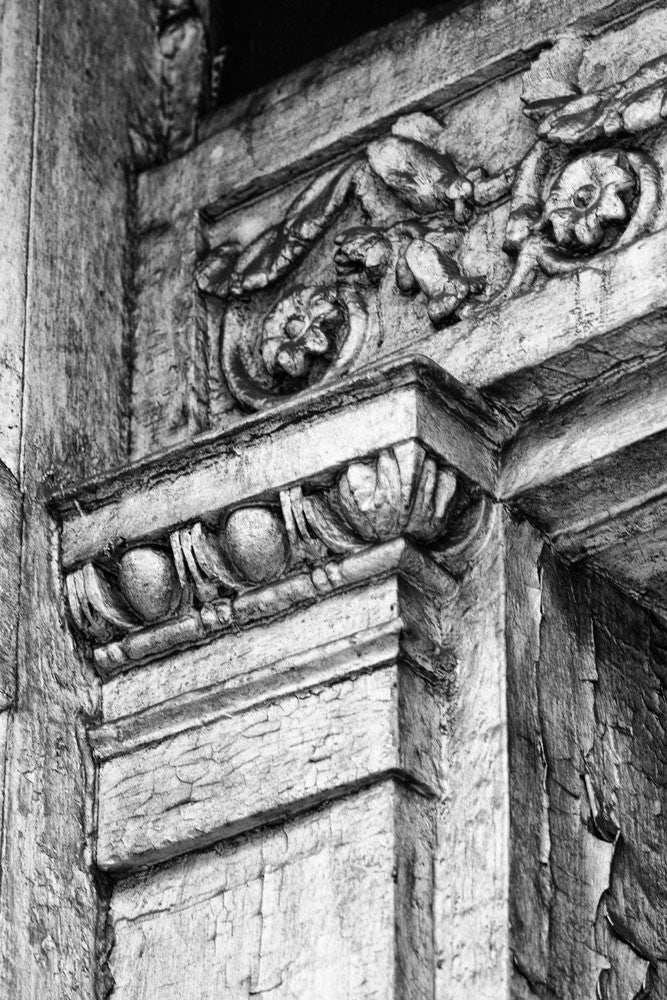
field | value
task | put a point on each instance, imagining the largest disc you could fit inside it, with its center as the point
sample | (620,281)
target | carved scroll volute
(576,194)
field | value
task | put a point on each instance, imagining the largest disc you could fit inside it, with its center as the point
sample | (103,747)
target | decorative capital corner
(291,546)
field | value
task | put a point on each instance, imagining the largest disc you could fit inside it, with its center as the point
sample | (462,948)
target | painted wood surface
(66,77)
(336,902)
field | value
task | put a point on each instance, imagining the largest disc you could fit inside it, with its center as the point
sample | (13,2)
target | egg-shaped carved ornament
(149,582)
(256,543)
(311,335)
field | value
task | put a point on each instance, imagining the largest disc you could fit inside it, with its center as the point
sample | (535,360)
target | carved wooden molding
(417,201)
(336,693)
(592,183)
(184,586)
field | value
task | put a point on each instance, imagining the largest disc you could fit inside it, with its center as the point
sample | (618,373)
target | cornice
(259,560)
(256,522)
(465,405)
(338,438)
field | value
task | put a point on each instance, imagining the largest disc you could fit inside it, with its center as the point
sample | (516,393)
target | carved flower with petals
(300,329)
(590,200)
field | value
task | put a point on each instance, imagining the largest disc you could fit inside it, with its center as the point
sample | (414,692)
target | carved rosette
(566,209)
(310,336)
(577,193)
(402,492)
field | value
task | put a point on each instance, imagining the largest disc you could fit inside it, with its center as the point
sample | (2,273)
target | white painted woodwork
(360,696)
(335,902)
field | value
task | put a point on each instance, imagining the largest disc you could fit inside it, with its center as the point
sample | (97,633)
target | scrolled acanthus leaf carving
(418,203)
(402,491)
(575,193)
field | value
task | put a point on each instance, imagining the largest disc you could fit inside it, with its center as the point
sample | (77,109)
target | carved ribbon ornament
(419,201)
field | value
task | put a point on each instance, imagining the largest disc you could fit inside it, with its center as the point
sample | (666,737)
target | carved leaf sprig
(408,171)
(553,78)
(422,256)
(412,162)
(200,564)
(426,267)
(364,251)
(569,202)
(276,250)
(635,105)
(424,179)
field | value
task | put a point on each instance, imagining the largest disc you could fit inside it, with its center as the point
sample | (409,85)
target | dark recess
(264,40)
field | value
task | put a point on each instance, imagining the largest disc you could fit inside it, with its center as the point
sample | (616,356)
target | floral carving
(363,250)
(590,198)
(301,328)
(407,172)
(422,254)
(570,201)
(427,179)
(632,106)
(310,336)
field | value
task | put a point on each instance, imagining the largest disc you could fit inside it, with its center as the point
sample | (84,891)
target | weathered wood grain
(251,657)
(586,671)
(504,350)
(532,884)
(207,783)
(336,904)
(18,72)
(169,377)
(11,504)
(455,784)
(472,876)
(67,72)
